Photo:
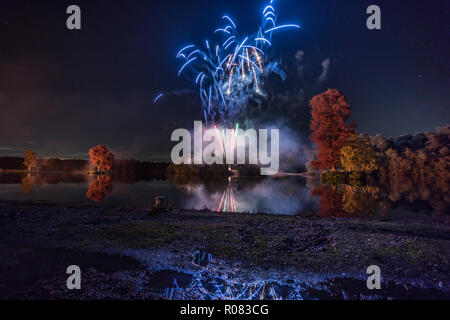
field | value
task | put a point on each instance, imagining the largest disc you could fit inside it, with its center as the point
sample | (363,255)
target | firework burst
(230,73)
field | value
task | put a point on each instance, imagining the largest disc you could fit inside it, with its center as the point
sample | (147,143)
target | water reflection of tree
(409,190)
(346,200)
(392,191)
(99,188)
(28,183)
(330,201)
(359,200)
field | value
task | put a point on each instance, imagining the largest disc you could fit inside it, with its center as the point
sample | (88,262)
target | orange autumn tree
(330,132)
(29,159)
(101,157)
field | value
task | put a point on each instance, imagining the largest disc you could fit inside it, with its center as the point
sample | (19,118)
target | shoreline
(247,248)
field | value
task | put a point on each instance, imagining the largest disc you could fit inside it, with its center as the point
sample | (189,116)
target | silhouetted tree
(101,157)
(330,111)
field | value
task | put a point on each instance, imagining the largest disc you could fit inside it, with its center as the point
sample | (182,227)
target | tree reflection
(28,183)
(330,201)
(359,201)
(347,200)
(99,188)
(412,189)
(379,198)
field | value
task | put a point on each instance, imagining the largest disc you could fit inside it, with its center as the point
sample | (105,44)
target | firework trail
(230,73)
(159,96)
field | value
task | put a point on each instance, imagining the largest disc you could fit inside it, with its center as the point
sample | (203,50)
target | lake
(291,195)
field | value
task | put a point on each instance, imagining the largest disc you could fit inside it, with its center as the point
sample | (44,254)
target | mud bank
(125,253)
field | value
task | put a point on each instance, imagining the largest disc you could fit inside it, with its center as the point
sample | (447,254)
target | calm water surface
(289,195)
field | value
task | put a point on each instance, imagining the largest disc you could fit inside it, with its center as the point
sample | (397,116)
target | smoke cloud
(325,69)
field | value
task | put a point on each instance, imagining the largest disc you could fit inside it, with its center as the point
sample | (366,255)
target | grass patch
(140,234)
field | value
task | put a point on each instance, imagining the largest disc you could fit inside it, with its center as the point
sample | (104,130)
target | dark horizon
(63,92)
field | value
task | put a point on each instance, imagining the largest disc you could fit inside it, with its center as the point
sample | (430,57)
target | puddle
(182,286)
(202,259)
(26,268)
(169,279)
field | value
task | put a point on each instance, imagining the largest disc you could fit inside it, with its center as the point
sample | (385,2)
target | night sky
(62,92)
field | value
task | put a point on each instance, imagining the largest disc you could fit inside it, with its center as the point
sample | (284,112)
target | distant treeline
(423,157)
(199,171)
(412,170)
(121,168)
(422,154)
(66,165)
(125,170)
(11,163)
(69,165)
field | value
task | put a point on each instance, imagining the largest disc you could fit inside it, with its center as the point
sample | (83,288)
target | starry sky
(62,92)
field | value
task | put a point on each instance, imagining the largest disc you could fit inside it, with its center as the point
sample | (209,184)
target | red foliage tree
(330,111)
(101,157)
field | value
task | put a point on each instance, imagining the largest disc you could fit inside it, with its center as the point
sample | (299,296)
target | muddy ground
(127,253)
